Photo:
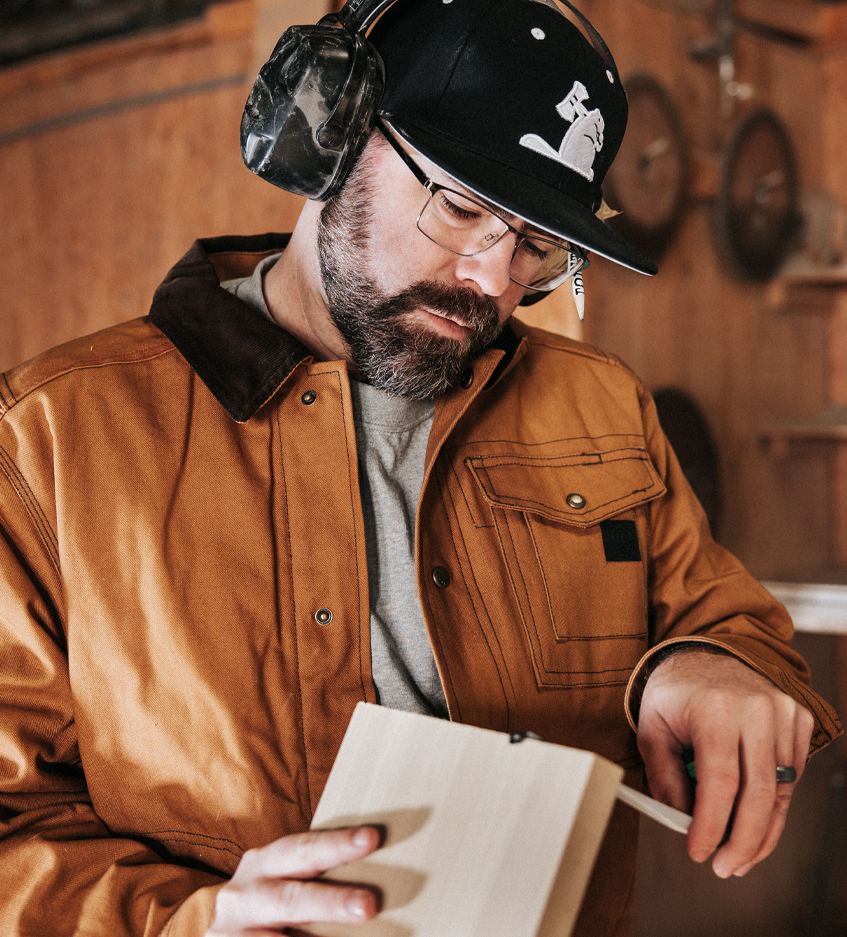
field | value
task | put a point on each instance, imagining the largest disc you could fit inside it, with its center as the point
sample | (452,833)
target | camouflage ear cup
(311,109)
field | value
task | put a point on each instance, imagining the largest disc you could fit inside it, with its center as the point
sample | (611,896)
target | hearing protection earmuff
(314,103)
(315,100)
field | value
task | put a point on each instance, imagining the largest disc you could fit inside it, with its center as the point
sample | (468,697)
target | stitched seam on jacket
(550,442)
(83,365)
(444,488)
(216,839)
(520,502)
(355,541)
(543,573)
(32,506)
(551,670)
(582,351)
(594,458)
(465,499)
(437,638)
(190,842)
(625,635)
(528,617)
(11,393)
(296,628)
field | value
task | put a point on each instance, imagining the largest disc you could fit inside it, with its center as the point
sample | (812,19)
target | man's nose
(489,269)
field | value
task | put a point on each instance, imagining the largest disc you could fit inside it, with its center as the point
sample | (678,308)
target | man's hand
(740,726)
(273,887)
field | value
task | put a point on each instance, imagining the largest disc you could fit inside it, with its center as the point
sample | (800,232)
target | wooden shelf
(804,287)
(830,425)
(819,608)
(798,271)
(807,20)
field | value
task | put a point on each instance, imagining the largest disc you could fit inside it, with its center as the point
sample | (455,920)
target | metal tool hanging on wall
(756,204)
(756,211)
(648,180)
(720,48)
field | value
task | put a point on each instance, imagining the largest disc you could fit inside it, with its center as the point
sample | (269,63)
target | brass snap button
(323,616)
(440,577)
(309,397)
(467,378)
(575,501)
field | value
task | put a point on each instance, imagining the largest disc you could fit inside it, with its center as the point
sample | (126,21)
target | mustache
(463,305)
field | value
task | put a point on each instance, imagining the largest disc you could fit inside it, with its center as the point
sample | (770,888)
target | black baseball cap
(510,98)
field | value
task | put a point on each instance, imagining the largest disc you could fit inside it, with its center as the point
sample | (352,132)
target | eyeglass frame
(434,188)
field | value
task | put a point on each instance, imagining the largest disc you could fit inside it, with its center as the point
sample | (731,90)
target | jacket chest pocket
(572,530)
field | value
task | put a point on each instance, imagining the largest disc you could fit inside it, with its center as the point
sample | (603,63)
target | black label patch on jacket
(620,541)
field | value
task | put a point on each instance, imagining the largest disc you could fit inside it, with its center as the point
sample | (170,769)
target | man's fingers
(272,886)
(307,855)
(762,803)
(271,904)
(767,846)
(663,764)
(717,788)
(787,755)
(741,727)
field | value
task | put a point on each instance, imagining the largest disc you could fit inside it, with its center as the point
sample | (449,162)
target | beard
(386,340)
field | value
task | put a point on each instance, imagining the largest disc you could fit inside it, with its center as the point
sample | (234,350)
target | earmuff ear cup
(311,109)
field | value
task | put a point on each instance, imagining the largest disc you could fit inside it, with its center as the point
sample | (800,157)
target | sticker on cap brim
(584,137)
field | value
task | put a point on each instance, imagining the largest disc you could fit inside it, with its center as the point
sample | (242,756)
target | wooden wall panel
(749,354)
(697,327)
(115,157)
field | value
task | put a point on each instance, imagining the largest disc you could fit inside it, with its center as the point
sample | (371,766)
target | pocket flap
(579,489)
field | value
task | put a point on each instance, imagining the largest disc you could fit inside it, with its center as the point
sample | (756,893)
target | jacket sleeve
(701,594)
(62,872)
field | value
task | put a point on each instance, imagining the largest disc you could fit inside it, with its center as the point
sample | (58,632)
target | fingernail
(356,905)
(723,871)
(362,838)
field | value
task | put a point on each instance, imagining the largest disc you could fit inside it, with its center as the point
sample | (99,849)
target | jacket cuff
(827,723)
(651,660)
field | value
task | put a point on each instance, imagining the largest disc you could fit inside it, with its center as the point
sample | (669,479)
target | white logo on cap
(583,140)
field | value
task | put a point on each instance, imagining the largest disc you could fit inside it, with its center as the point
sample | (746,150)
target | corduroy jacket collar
(242,357)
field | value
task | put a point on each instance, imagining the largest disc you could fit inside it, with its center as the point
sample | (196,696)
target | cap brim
(520,194)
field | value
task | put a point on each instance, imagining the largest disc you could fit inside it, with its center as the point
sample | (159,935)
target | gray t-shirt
(391,438)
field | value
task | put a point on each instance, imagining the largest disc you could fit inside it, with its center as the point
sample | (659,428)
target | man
(328,469)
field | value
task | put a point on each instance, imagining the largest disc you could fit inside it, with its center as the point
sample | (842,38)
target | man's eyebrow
(450,182)
(514,220)
(469,193)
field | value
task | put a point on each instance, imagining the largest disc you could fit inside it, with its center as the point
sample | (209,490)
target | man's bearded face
(392,347)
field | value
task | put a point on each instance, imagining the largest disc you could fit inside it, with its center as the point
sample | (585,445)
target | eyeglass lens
(466,227)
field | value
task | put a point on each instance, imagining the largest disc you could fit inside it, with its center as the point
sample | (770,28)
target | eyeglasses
(464,226)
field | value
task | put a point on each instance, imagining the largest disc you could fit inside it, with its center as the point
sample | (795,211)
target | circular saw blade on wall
(756,209)
(648,180)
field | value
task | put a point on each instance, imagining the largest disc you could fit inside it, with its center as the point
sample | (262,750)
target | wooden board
(484,837)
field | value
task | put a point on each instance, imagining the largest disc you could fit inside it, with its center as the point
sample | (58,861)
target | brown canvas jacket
(179,499)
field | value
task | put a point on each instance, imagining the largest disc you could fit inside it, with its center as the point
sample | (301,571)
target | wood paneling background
(114,158)
(744,357)
(750,355)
